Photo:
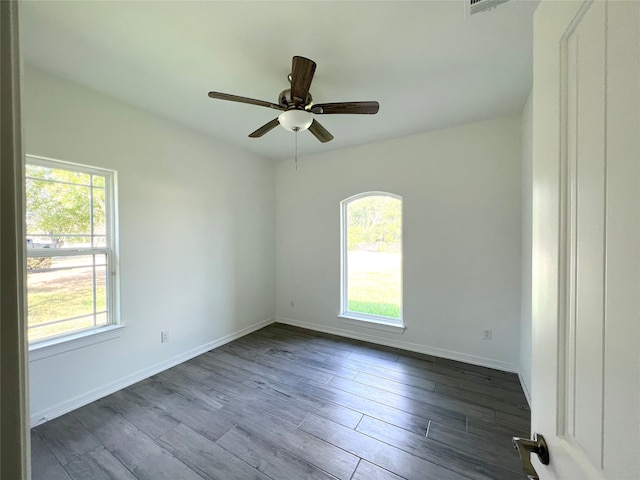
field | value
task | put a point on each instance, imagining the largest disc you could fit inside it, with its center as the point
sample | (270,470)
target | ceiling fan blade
(302,70)
(367,108)
(250,101)
(267,127)
(320,132)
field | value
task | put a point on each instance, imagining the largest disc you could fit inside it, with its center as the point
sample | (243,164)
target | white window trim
(371,322)
(40,349)
(73,341)
(356,318)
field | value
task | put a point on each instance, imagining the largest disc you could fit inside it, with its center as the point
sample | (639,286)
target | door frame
(14,393)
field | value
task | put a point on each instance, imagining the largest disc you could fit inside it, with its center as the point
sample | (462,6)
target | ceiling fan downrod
(296,130)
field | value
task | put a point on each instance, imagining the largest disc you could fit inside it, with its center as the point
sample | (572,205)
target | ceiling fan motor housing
(288,102)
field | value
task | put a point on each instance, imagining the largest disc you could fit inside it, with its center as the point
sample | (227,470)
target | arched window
(371,258)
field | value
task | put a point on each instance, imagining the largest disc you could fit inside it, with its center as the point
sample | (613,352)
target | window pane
(374,256)
(101,288)
(57,209)
(57,174)
(63,210)
(98,181)
(99,217)
(60,293)
(40,332)
(102,319)
(99,241)
(59,241)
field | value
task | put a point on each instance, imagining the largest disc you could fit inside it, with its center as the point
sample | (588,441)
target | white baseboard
(67,406)
(525,388)
(412,347)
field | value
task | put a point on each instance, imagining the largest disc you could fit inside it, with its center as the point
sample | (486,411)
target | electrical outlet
(292,303)
(487,334)
(164,336)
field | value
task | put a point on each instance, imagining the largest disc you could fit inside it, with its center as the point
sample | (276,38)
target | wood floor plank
(444,455)
(485,394)
(250,388)
(206,457)
(363,350)
(299,443)
(192,412)
(401,418)
(369,471)
(394,386)
(290,399)
(463,370)
(99,464)
(497,453)
(443,412)
(401,374)
(254,420)
(269,457)
(500,434)
(192,370)
(282,366)
(345,343)
(179,381)
(252,397)
(438,373)
(250,342)
(384,376)
(258,369)
(470,367)
(67,439)
(379,453)
(341,347)
(134,449)
(211,362)
(311,360)
(44,464)
(428,397)
(303,343)
(145,415)
(501,404)
(519,420)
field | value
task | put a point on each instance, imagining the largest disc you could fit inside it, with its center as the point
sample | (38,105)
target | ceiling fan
(296,104)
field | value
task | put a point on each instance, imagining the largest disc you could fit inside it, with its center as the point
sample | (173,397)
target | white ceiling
(428,63)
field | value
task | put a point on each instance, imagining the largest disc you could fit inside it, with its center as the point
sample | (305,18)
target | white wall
(196,237)
(527,205)
(461,189)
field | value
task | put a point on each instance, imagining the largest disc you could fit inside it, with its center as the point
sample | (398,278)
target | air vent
(477,6)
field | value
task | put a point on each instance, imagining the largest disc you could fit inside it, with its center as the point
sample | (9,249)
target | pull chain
(296,129)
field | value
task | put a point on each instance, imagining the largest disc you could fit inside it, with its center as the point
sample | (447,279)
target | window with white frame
(371,258)
(71,265)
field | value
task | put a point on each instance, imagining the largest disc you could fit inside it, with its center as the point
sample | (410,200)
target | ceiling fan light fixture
(296,120)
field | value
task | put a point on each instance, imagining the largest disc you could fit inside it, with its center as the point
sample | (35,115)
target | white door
(586,238)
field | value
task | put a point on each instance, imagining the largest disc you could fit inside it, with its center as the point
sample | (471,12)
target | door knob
(526,447)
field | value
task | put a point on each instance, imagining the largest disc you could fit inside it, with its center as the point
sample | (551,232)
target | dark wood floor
(287,403)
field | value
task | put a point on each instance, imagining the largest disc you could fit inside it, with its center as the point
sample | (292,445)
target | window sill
(373,323)
(68,343)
